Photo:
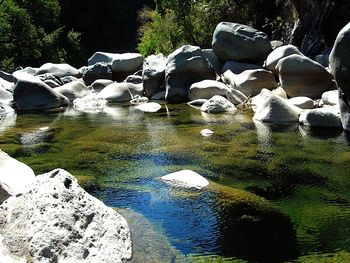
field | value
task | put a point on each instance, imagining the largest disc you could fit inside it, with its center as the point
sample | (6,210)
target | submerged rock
(57,221)
(186,179)
(218,104)
(206,133)
(323,117)
(120,92)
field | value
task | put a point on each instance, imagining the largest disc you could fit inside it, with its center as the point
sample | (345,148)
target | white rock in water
(207,133)
(186,179)
(90,103)
(149,107)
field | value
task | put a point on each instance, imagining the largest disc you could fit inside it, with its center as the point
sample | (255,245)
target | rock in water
(120,92)
(218,104)
(323,117)
(153,74)
(186,179)
(206,133)
(73,90)
(206,89)
(241,43)
(14,176)
(57,221)
(149,107)
(339,62)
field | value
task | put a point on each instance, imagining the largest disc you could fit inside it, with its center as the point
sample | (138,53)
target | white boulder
(218,104)
(149,107)
(331,97)
(60,70)
(206,89)
(153,74)
(127,62)
(302,102)
(73,90)
(186,179)
(279,53)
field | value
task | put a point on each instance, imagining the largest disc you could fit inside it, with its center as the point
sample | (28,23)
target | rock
(331,97)
(31,93)
(5,110)
(339,62)
(279,53)
(206,89)
(273,108)
(239,67)
(323,59)
(124,64)
(280,92)
(100,84)
(120,92)
(276,43)
(185,66)
(149,107)
(6,97)
(159,96)
(250,82)
(207,133)
(153,74)
(6,76)
(29,70)
(217,104)
(135,79)
(8,118)
(186,179)
(236,97)
(198,102)
(97,71)
(73,90)
(302,102)
(90,103)
(14,177)
(240,43)
(68,79)
(60,70)
(51,83)
(213,59)
(301,76)
(9,86)
(137,99)
(101,57)
(49,76)
(322,117)
(57,221)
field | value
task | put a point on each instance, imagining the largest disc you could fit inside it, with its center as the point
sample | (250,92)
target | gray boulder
(153,74)
(236,97)
(120,92)
(241,43)
(213,59)
(51,83)
(331,97)
(218,104)
(73,90)
(6,76)
(31,93)
(239,67)
(206,89)
(185,66)
(186,179)
(339,62)
(14,177)
(57,221)
(100,84)
(60,70)
(101,57)
(323,59)
(301,76)
(279,53)
(159,96)
(322,117)
(97,71)
(126,64)
(302,102)
(135,79)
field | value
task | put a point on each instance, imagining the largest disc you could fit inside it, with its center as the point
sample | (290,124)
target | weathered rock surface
(60,70)
(185,66)
(218,104)
(120,92)
(301,76)
(97,71)
(153,74)
(186,179)
(149,107)
(135,79)
(57,221)
(238,67)
(127,62)
(279,53)
(206,89)
(101,57)
(213,59)
(302,102)
(100,84)
(14,177)
(273,108)
(241,43)
(323,59)
(331,97)
(322,117)
(73,90)
(31,93)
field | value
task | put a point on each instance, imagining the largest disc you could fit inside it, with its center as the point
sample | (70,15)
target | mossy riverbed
(278,193)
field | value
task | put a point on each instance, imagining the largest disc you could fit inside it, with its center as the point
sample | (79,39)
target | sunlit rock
(120,92)
(331,97)
(302,102)
(323,117)
(149,107)
(60,70)
(207,132)
(206,89)
(73,90)
(186,179)
(153,74)
(91,103)
(218,104)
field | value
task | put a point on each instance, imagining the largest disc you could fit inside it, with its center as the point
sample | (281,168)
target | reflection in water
(7,121)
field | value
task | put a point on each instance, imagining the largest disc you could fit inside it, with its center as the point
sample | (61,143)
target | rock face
(186,179)
(185,66)
(126,64)
(339,62)
(60,70)
(73,90)
(14,176)
(302,102)
(273,108)
(241,43)
(206,89)
(97,71)
(57,221)
(120,92)
(31,93)
(153,74)
(218,104)
(301,76)
(279,53)
(323,117)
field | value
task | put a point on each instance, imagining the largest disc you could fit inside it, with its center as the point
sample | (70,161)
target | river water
(278,193)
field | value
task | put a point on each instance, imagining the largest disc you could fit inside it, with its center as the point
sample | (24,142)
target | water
(278,193)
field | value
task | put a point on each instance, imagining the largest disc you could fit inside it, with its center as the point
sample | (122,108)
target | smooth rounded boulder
(232,41)
(331,97)
(153,74)
(302,102)
(186,179)
(73,90)
(120,92)
(218,104)
(339,62)
(60,70)
(301,76)
(322,117)
(126,64)
(58,221)
(206,89)
(31,93)
(185,66)
(100,84)
(96,72)
(101,57)
(279,53)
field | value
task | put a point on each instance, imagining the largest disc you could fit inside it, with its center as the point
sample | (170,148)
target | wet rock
(302,102)
(206,89)
(218,104)
(186,179)
(322,117)
(73,90)
(60,70)
(153,74)
(57,221)
(120,92)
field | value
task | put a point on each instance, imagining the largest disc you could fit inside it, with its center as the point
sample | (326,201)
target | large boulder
(218,104)
(302,102)
(73,90)
(185,66)
(206,89)
(213,59)
(97,71)
(126,64)
(153,74)
(250,82)
(100,84)
(120,92)
(101,57)
(273,108)
(186,179)
(322,117)
(60,70)
(238,67)
(14,177)
(301,76)
(31,93)
(241,43)
(55,220)
(279,53)
(339,62)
